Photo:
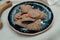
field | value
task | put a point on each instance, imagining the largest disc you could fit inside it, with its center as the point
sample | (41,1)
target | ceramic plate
(35,5)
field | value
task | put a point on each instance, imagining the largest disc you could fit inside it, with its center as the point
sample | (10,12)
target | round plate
(35,5)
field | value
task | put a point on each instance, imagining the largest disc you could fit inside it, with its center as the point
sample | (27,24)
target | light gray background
(6,33)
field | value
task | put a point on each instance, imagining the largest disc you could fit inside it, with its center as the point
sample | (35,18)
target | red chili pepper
(27,15)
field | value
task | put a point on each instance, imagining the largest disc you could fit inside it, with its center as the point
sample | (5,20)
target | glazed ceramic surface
(35,5)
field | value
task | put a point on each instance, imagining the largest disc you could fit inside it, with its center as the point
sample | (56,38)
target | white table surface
(6,33)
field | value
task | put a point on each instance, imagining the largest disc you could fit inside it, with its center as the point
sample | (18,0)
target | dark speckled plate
(35,5)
